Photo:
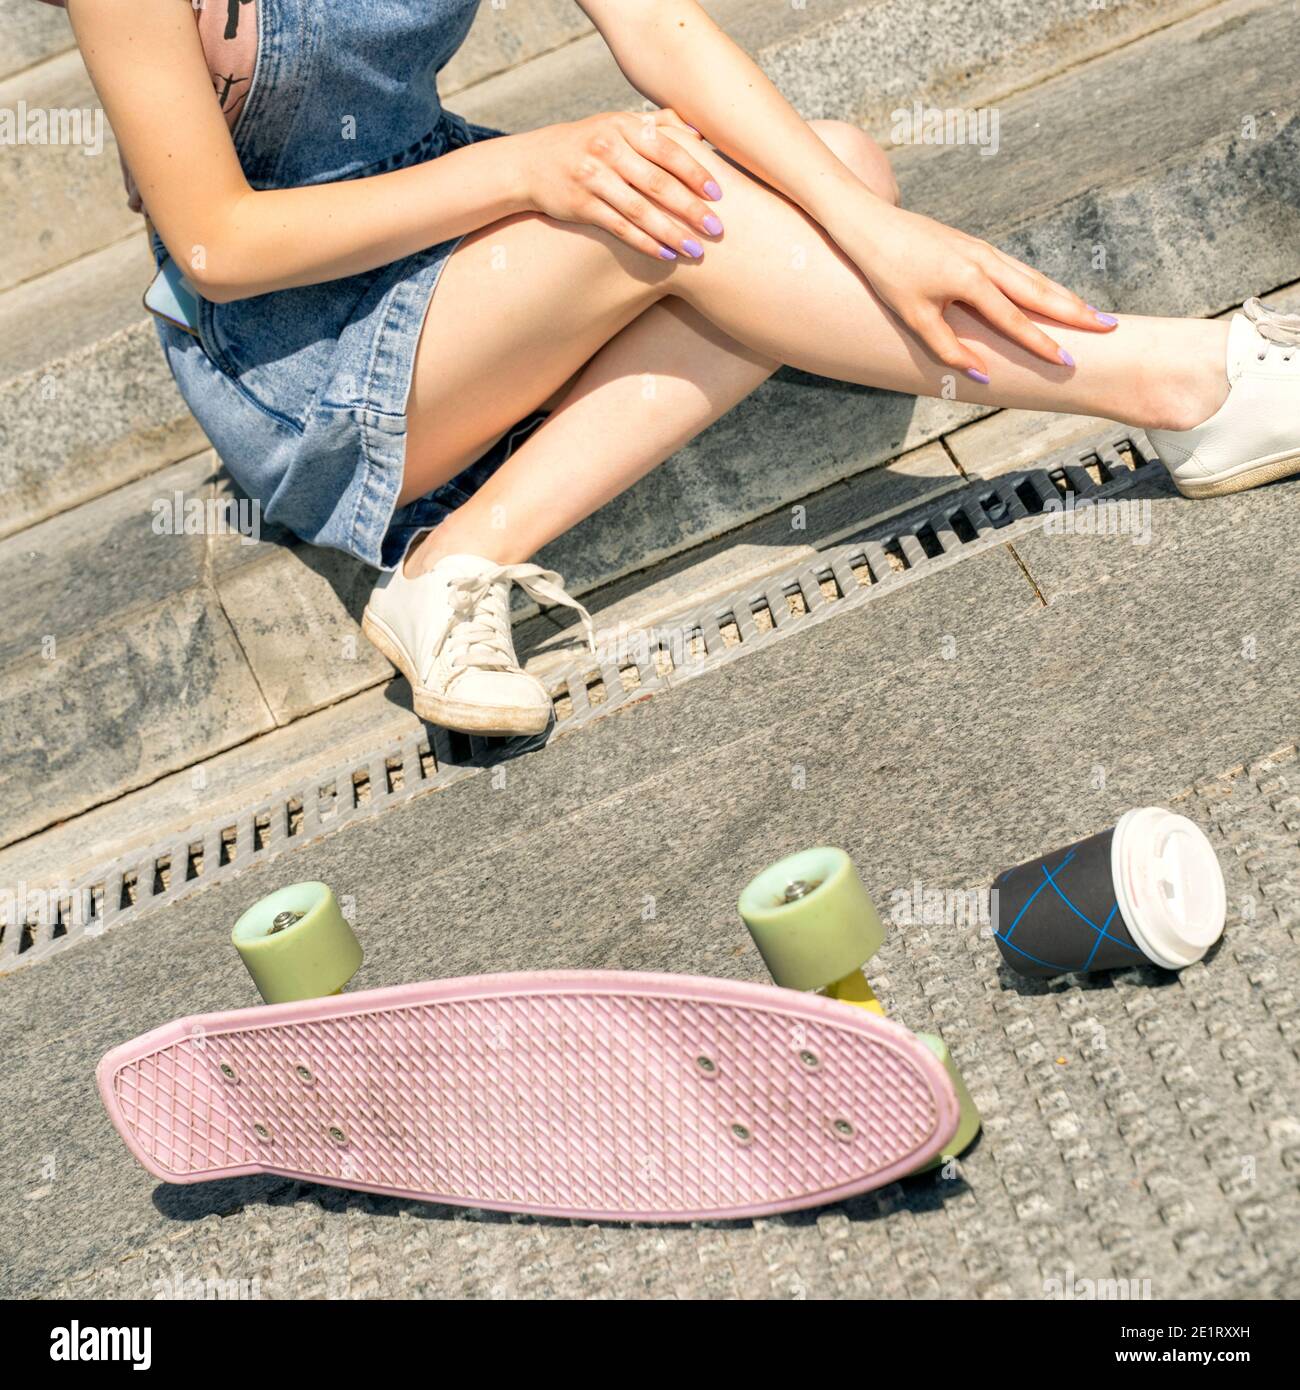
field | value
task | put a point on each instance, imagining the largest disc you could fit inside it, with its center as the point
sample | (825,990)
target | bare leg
(776,282)
(657,385)
(525,304)
(664,378)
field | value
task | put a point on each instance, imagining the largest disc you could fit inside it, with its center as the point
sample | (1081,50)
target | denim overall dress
(303,391)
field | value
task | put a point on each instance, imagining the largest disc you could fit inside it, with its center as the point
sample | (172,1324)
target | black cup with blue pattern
(1059,913)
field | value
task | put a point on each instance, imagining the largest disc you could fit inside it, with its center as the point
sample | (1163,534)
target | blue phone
(173,299)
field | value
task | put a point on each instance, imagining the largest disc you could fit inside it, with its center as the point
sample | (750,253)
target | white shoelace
(479,632)
(1280,329)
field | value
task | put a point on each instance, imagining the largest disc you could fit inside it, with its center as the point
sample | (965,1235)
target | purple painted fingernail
(713,225)
(1066,359)
(666,255)
(1108,319)
(976,375)
(693,248)
(711,189)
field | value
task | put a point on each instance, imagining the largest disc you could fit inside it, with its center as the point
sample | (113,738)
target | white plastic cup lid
(1169,885)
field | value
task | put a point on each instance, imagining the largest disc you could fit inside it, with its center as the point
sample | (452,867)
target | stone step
(505,36)
(849,60)
(32,34)
(275,688)
(224,784)
(1131,192)
(117,663)
(654,597)
(871,60)
(808,48)
(63,193)
(87,402)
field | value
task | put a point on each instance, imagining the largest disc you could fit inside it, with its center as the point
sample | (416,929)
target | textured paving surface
(1138,1127)
(1162,1147)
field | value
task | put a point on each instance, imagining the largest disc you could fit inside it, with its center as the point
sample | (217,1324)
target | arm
(673,53)
(147,65)
(676,56)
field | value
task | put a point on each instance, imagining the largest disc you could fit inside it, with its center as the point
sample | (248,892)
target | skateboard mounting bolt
(809,1059)
(843,1129)
(337,1135)
(797,888)
(261,1131)
(741,1133)
(304,1072)
(227,1071)
(284,920)
(706,1064)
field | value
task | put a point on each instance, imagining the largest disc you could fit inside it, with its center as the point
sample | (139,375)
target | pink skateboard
(587,1094)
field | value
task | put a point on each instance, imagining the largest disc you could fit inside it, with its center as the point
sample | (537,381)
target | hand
(619,172)
(919,267)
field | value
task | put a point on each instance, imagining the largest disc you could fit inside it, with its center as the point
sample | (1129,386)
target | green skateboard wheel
(968,1120)
(297,944)
(811,918)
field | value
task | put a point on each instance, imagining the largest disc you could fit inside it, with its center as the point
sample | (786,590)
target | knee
(856,149)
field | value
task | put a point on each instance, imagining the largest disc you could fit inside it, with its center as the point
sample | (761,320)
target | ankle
(1181,410)
(1182,395)
(425,552)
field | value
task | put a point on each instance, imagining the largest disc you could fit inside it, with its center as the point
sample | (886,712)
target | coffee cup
(1148,890)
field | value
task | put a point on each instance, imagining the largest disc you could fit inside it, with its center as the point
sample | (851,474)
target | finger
(1031,289)
(599,213)
(1036,275)
(1007,319)
(936,333)
(668,192)
(636,208)
(1031,270)
(664,151)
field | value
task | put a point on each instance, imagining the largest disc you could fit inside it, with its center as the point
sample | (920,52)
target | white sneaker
(1254,436)
(448,633)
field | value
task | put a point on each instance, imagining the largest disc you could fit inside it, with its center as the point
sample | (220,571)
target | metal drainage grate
(879,560)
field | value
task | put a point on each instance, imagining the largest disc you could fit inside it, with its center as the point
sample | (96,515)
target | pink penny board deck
(588,1094)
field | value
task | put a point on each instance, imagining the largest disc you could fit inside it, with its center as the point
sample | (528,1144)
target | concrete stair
(132,664)
(32,34)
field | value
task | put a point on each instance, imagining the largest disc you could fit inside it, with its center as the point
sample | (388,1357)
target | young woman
(446,436)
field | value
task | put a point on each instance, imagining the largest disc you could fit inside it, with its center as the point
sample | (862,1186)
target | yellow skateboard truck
(816,928)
